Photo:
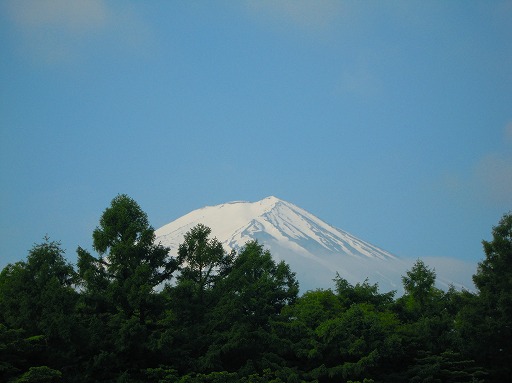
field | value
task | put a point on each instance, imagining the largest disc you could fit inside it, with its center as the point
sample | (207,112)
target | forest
(130,312)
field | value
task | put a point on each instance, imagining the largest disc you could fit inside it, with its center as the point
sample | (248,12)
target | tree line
(133,313)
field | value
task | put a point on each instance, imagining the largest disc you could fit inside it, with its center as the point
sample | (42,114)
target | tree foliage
(491,316)
(203,260)
(419,286)
(252,297)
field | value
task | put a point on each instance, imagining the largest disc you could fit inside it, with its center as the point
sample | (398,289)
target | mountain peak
(269,201)
(311,247)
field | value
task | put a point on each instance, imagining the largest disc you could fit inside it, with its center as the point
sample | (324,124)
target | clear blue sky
(390,120)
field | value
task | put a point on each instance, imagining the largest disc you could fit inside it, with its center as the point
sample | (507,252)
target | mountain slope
(315,250)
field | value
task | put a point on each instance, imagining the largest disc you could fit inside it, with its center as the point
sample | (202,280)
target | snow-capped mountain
(314,249)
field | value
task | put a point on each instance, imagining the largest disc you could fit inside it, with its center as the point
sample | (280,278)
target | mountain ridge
(279,218)
(315,250)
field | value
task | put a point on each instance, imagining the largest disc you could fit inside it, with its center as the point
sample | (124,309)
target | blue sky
(390,120)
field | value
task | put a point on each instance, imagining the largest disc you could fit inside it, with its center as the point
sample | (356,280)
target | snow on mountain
(314,249)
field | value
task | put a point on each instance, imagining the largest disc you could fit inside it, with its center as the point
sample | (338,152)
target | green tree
(38,297)
(491,318)
(130,265)
(420,290)
(362,293)
(314,307)
(252,297)
(298,325)
(428,323)
(42,374)
(130,260)
(446,367)
(18,353)
(122,302)
(203,260)
(357,343)
(203,263)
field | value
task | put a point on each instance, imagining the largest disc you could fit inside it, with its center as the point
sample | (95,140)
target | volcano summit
(315,250)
